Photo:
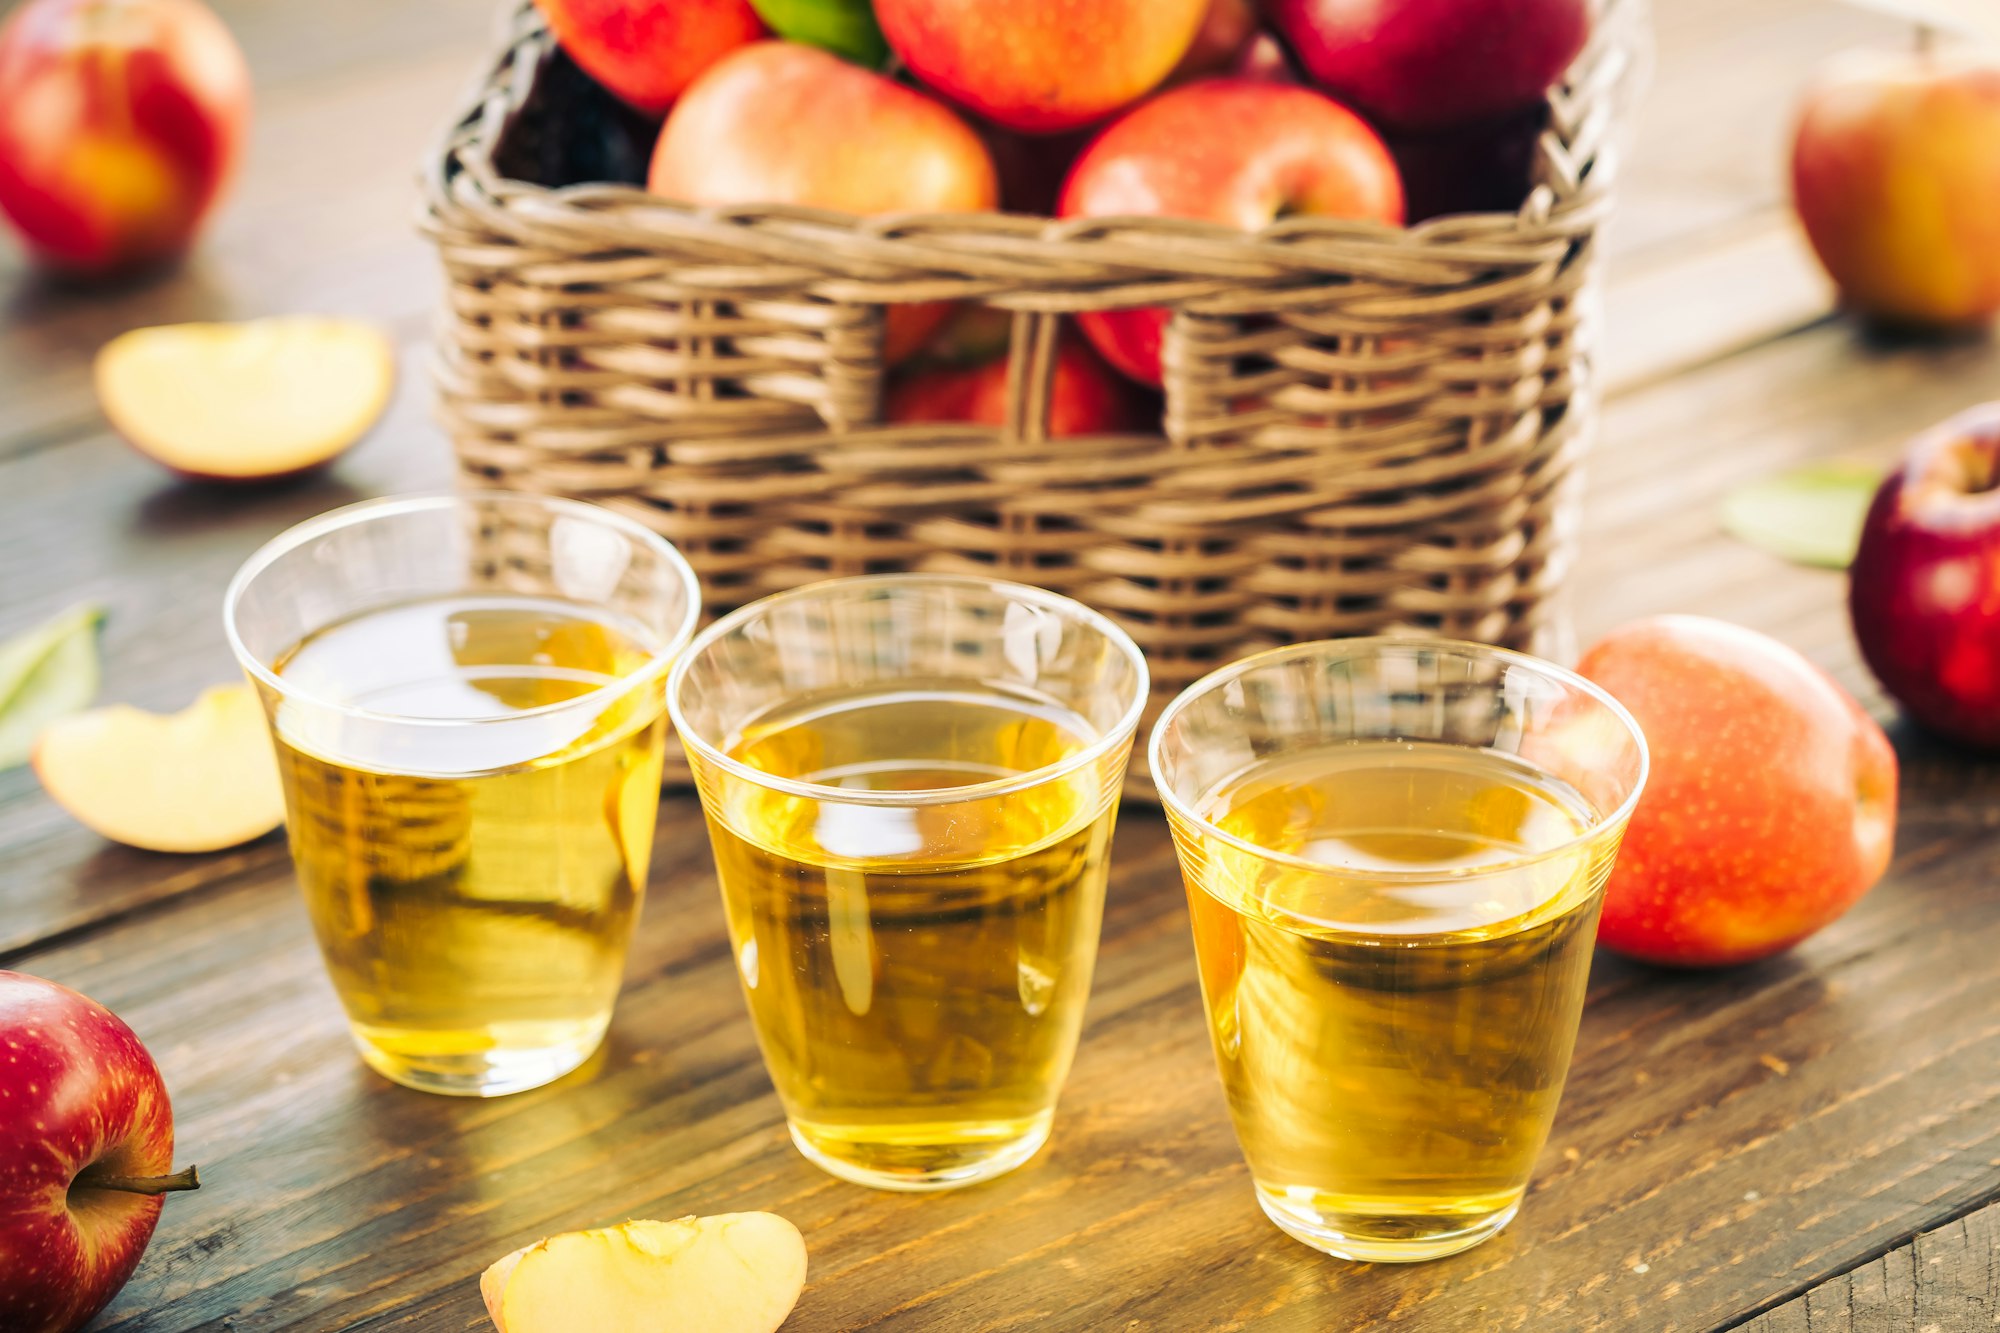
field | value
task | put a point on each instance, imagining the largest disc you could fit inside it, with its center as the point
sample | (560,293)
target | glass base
(1384,1237)
(922,1158)
(494,1071)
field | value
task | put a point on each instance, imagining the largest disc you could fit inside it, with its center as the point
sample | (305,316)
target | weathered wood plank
(1945,1281)
(1725,1139)
(1652,533)
(1738,289)
(1710,135)
(92,521)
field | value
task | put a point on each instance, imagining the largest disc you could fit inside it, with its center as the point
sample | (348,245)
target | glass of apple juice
(467,695)
(910,783)
(1395,851)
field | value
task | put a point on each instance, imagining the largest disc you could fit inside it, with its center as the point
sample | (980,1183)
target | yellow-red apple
(1041,65)
(1771,805)
(648,51)
(781,123)
(86,1154)
(120,124)
(1236,151)
(1896,177)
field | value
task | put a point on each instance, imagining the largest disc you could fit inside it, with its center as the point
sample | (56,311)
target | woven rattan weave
(1365,429)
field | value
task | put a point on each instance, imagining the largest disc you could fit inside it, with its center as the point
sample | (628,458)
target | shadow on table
(185,507)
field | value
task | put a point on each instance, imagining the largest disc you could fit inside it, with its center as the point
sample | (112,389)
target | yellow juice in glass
(473,887)
(1395,853)
(1394,1051)
(910,782)
(917,973)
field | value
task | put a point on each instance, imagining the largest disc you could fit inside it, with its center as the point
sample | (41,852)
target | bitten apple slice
(198,780)
(246,402)
(733,1273)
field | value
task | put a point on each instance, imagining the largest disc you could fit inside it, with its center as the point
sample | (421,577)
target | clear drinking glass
(1395,852)
(467,696)
(910,783)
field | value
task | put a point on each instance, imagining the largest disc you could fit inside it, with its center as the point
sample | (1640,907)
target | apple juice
(1393,979)
(473,884)
(917,973)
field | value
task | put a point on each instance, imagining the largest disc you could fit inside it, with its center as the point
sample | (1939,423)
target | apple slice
(198,780)
(246,402)
(733,1273)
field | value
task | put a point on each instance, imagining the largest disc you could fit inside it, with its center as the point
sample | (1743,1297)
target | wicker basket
(1365,430)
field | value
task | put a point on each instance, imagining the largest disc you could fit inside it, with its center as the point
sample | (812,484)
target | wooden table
(1805,1143)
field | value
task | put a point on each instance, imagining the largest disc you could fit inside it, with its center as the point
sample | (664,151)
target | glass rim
(1120,732)
(1374,644)
(389,506)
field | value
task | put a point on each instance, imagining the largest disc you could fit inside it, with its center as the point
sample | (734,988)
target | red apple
(1771,806)
(1236,151)
(120,124)
(1924,588)
(1226,32)
(86,1148)
(1431,64)
(648,51)
(1896,177)
(1087,398)
(781,123)
(1041,65)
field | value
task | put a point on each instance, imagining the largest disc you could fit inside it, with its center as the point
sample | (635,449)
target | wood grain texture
(1711,136)
(1724,1141)
(1945,1281)
(1727,1142)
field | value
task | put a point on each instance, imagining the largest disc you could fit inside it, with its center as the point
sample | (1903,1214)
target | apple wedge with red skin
(86,1152)
(1924,588)
(248,402)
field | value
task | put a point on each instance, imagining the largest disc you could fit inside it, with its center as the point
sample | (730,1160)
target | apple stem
(184,1179)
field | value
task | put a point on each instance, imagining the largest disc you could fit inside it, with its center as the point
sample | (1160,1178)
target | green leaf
(1811,515)
(844,27)
(46,673)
